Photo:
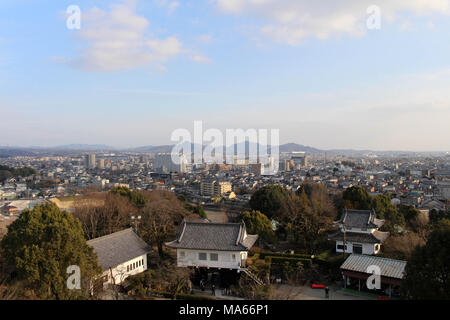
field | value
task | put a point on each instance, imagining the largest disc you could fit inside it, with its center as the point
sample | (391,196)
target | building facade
(213,245)
(358,232)
(121,254)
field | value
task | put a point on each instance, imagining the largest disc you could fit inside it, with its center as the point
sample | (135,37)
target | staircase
(252,276)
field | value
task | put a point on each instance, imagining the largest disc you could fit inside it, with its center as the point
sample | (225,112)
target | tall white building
(164,162)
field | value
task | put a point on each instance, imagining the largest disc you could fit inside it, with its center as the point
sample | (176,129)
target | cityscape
(318,167)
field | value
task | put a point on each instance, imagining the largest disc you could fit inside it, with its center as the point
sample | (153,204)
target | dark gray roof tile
(117,248)
(213,236)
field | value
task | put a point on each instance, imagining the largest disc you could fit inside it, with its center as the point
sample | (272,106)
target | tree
(41,244)
(200,211)
(269,200)
(258,223)
(383,205)
(409,212)
(104,214)
(308,216)
(161,218)
(358,198)
(136,198)
(428,270)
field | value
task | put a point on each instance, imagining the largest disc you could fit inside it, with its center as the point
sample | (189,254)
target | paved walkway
(218,295)
(287,292)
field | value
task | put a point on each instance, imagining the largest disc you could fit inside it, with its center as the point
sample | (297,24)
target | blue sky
(138,70)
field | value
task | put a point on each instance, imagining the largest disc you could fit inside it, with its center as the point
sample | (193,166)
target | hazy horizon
(138,70)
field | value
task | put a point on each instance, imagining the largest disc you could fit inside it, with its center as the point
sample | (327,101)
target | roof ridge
(213,223)
(377,257)
(111,235)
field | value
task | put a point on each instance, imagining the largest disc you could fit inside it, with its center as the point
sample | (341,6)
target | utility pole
(344,248)
(135,222)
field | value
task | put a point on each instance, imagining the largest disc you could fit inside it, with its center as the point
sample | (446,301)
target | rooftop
(117,248)
(360,219)
(213,236)
(389,267)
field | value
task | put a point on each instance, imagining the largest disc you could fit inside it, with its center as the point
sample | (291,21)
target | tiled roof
(117,248)
(389,267)
(213,236)
(375,237)
(360,219)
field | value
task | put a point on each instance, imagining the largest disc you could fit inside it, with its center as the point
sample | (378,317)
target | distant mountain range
(289,147)
(84,147)
(71,148)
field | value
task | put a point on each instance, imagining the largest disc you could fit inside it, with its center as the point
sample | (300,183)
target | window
(182,254)
(357,248)
(233,257)
(341,247)
(142,261)
(214,257)
(128,268)
(202,256)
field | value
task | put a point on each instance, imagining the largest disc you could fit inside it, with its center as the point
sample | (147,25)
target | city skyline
(136,71)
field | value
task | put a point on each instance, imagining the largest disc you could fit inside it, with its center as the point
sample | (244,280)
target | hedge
(293,261)
(181,296)
(263,255)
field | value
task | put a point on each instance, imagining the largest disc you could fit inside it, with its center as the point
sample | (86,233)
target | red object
(318,286)
(383,298)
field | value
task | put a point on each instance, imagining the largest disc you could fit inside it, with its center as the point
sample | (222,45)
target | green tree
(269,200)
(136,198)
(409,212)
(358,198)
(41,244)
(258,223)
(383,205)
(428,270)
(200,211)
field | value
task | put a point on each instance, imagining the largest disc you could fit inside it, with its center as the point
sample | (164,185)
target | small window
(142,261)
(128,268)
(214,257)
(202,256)
(233,257)
(357,248)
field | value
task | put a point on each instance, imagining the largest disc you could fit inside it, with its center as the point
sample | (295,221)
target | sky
(136,70)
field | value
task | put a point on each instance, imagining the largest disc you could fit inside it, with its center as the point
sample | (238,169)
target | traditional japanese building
(120,254)
(213,245)
(359,232)
(357,269)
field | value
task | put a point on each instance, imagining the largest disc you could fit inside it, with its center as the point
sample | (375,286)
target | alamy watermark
(74,280)
(374,20)
(374,281)
(73,21)
(236,146)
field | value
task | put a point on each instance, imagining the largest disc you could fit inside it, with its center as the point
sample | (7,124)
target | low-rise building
(213,245)
(121,255)
(358,232)
(358,268)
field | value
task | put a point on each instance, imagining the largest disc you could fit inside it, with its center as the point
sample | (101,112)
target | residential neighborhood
(228,232)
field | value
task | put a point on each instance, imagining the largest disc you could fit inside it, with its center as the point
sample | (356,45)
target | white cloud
(200,58)
(120,39)
(292,21)
(205,39)
(170,5)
